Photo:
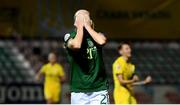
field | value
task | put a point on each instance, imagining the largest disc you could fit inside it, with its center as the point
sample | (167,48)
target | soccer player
(54,76)
(84,48)
(124,76)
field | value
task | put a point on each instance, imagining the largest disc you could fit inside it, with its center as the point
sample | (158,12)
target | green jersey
(87,66)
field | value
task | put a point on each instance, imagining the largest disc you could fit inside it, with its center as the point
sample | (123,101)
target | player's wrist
(88,27)
(145,82)
(80,28)
(133,80)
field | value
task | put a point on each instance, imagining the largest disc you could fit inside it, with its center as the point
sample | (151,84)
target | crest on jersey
(66,37)
(118,67)
(90,43)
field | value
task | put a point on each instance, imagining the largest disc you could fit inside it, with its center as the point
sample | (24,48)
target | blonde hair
(79,11)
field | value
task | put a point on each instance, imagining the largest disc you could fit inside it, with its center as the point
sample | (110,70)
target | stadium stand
(20,60)
(161,60)
(13,66)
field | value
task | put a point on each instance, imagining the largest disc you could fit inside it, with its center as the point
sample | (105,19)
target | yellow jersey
(52,74)
(120,66)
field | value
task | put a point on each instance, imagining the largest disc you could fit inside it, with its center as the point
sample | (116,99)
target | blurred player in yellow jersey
(124,76)
(54,76)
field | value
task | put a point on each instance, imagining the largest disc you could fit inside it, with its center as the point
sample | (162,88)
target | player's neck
(52,63)
(125,58)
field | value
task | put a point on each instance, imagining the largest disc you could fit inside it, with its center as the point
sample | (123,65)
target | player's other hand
(148,79)
(87,21)
(79,21)
(37,77)
(135,78)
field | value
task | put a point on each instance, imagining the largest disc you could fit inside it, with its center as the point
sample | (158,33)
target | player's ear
(91,22)
(48,57)
(120,52)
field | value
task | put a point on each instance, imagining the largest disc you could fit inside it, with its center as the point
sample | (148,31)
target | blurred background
(30,29)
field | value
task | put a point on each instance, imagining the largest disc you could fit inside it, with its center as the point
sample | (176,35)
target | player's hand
(148,79)
(37,77)
(87,21)
(79,21)
(135,78)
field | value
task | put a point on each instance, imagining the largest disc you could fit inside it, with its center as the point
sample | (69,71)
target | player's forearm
(98,38)
(139,83)
(125,82)
(38,76)
(63,78)
(77,41)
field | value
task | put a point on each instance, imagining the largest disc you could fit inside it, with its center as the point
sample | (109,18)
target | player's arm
(76,42)
(39,75)
(125,82)
(119,68)
(99,38)
(61,74)
(146,81)
(63,78)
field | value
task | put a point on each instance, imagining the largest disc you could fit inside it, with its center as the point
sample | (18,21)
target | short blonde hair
(81,11)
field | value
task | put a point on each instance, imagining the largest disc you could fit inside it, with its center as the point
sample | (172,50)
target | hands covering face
(79,20)
(82,19)
(87,20)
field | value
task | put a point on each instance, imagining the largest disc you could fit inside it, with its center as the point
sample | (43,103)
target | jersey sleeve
(60,71)
(43,69)
(118,68)
(133,69)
